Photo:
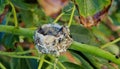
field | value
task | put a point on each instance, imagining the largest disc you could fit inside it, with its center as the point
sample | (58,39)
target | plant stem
(94,51)
(41,61)
(48,62)
(63,67)
(71,17)
(17,31)
(76,46)
(55,21)
(110,43)
(14,13)
(61,15)
(2,66)
(30,57)
(16,53)
(55,63)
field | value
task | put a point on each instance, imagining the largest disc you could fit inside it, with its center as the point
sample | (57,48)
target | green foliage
(2,5)
(91,49)
(91,7)
(82,35)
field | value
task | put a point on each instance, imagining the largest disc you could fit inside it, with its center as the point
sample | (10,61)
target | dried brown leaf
(52,7)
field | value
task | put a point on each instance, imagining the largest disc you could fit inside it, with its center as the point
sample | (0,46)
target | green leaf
(22,5)
(70,65)
(27,17)
(33,18)
(9,40)
(113,49)
(105,29)
(82,35)
(116,18)
(84,63)
(5,61)
(90,7)
(2,5)
(23,64)
(100,35)
(63,59)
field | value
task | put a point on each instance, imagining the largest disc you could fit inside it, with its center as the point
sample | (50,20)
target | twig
(14,13)
(41,61)
(2,66)
(71,17)
(110,43)
(61,15)
(58,17)
(29,57)
(56,60)
(63,67)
